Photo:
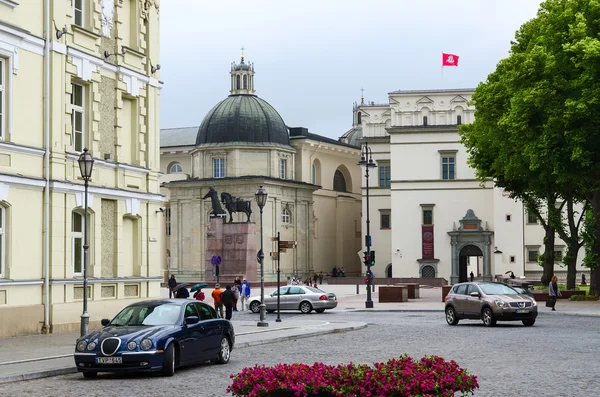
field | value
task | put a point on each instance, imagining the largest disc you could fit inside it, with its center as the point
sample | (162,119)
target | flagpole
(442,69)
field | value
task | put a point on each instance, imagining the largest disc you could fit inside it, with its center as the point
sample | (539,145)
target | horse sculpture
(235,204)
(214,197)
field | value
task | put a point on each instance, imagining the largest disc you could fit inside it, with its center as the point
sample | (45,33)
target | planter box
(393,294)
(413,290)
(542,296)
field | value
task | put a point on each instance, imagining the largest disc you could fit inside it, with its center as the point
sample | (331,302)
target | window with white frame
(282,168)
(219,168)
(77,242)
(175,168)
(2,98)
(77,117)
(168,220)
(2,240)
(78,12)
(448,160)
(286,216)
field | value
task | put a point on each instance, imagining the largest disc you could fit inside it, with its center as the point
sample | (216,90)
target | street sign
(287,244)
(215,260)
(275,255)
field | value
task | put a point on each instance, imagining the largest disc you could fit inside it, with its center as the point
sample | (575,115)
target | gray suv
(489,302)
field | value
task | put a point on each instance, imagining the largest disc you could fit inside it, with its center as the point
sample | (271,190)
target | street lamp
(366,162)
(261,200)
(86,164)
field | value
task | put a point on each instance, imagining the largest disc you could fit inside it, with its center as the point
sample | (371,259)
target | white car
(296,297)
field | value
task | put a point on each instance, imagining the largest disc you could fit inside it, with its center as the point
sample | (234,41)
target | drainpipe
(46,232)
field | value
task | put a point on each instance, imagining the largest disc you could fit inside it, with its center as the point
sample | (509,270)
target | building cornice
(419,129)
(10,3)
(11,147)
(78,280)
(105,164)
(114,193)
(10,283)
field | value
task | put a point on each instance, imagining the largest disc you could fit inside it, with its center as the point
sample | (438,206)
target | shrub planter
(542,296)
(431,376)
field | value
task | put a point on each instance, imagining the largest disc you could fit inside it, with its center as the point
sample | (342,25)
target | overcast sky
(312,57)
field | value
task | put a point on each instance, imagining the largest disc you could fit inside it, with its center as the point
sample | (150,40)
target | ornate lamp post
(366,162)
(261,200)
(86,164)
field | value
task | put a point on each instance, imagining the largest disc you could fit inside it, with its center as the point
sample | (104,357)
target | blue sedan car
(158,335)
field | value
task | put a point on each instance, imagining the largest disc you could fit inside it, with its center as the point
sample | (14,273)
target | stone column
(487,268)
(455,260)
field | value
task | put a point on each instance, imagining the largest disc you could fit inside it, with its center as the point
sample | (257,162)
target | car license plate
(109,360)
(521,311)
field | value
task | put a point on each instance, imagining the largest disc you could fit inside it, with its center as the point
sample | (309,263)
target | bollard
(357,289)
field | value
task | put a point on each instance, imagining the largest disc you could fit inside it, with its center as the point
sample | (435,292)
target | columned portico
(470,237)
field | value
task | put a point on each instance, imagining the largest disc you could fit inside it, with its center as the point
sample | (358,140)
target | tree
(536,122)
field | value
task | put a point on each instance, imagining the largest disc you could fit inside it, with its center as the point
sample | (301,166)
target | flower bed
(431,376)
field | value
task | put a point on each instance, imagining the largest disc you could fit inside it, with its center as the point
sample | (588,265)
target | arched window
(339,182)
(77,223)
(2,240)
(237,82)
(459,119)
(285,216)
(314,174)
(425,120)
(245,81)
(359,118)
(175,168)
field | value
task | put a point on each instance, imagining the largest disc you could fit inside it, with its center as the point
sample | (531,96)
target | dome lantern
(242,77)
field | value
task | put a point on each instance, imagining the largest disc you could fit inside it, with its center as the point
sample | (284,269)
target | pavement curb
(442,310)
(73,369)
(38,375)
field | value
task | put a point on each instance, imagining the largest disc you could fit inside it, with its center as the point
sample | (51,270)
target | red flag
(449,59)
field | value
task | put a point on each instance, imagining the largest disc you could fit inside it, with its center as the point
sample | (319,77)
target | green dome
(243,118)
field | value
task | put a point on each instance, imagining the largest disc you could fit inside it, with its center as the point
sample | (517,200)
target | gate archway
(463,260)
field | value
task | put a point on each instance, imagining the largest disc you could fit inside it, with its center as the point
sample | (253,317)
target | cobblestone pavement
(556,357)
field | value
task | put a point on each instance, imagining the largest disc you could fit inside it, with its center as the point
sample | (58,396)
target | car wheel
(89,374)
(529,323)
(487,315)
(319,310)
(255,307)
(305,307)
(168,368)
(451,317)
(224,352)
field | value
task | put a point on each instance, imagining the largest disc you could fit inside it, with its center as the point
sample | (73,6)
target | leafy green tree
(536,130)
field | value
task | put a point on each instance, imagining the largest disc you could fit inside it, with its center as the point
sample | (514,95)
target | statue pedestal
(236,244)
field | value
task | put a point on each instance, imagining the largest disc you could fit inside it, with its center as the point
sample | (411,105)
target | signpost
(282,246)
(216,261)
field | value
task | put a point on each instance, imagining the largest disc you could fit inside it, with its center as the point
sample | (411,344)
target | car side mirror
(475,294)
(105,322)
(192,320)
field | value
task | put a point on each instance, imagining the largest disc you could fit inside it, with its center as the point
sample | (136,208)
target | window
(425,120)
(77,222)
(532,255)
(77,117)
(512,259)
(448,166)
(175,168)
(459,120)
(2,240)
(339,182)
(245,79)
(532,219)
(385,219)
(78,12)
(2,97)
(237,82)
(508,217)
(285,216)
(558,256)
(427,216)
(384,176)
(314,174)
(282,168)
(219,168)
(168,220)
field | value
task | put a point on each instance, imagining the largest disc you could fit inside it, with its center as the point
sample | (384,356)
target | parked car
(490,302)
(296,297)
(157,335)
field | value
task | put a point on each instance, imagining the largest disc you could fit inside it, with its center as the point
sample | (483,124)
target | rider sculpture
(235,204)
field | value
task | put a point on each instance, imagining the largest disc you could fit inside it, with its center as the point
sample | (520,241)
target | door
(459,299)
(213,329)
(472,303)
(462,269)
(283,302)
(193,337)
(294,297)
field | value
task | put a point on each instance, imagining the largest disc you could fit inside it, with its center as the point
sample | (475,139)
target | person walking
(172,284)
(182,293)
(553,292)
(236,295)
(216,295)
(228,298)
(245,293)
(471,275)
(321,278)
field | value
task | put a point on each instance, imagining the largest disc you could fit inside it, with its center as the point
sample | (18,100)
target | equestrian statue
(235,204)
(214,198)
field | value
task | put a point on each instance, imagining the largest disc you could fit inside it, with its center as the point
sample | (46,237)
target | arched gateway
(470,240)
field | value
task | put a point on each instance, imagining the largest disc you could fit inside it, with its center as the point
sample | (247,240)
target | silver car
(296,297)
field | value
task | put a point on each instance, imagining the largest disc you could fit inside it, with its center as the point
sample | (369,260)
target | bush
(430,377)
(584,298)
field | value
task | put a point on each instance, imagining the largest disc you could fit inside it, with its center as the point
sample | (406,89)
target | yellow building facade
(77,74)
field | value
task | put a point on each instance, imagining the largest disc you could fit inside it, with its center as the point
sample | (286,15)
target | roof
(439,91)
(353,136)
(171,137)
(302,133)
(242,118)
(242,178)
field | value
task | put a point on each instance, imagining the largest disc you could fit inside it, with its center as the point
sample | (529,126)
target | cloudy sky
(312,57)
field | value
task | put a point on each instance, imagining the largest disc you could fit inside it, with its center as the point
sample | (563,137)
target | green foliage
(591,259)
(584,298)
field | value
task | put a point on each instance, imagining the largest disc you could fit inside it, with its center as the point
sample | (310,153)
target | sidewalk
(40,356)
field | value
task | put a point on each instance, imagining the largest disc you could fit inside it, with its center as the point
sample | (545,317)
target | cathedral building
(312,182)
